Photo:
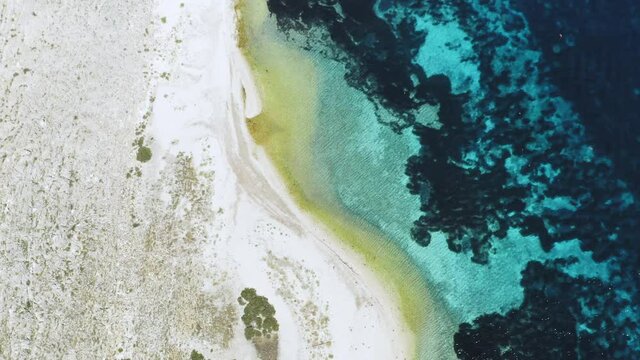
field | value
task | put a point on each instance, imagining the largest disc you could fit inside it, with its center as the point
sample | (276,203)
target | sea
(495,144)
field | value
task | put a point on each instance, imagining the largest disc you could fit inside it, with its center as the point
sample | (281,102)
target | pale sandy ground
(102,256)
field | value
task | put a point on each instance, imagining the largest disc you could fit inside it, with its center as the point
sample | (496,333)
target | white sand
(275,247)
(98,265)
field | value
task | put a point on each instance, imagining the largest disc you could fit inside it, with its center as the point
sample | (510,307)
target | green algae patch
(144,154)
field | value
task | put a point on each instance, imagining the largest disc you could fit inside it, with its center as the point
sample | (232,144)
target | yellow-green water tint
(288,80)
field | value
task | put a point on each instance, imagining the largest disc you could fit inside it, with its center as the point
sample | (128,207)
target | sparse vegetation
(110,218)
(144,152)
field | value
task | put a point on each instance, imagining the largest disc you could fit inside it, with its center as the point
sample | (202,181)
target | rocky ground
(98,250)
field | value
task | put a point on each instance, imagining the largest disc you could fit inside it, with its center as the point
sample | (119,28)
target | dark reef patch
(561,317)
(591,54)
(547,145)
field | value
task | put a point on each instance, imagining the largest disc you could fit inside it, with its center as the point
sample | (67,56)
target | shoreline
(297,218)
(261,187)
(372,251)
(305,222)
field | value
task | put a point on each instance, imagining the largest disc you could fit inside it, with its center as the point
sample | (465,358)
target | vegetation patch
(259,315)
(196,355)
(144,154)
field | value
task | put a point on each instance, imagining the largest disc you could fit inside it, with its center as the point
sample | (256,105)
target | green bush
(259,315)
(144,154)
(196,355)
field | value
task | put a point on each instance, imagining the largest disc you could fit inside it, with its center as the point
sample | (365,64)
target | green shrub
(259,315)
(196,355)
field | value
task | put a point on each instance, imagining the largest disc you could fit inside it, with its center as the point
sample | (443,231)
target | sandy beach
(370,324)
(293,259)
(136,206)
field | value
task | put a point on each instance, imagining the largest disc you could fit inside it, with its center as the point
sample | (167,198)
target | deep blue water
(538,105)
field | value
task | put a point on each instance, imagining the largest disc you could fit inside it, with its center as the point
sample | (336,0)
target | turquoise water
(365,165)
